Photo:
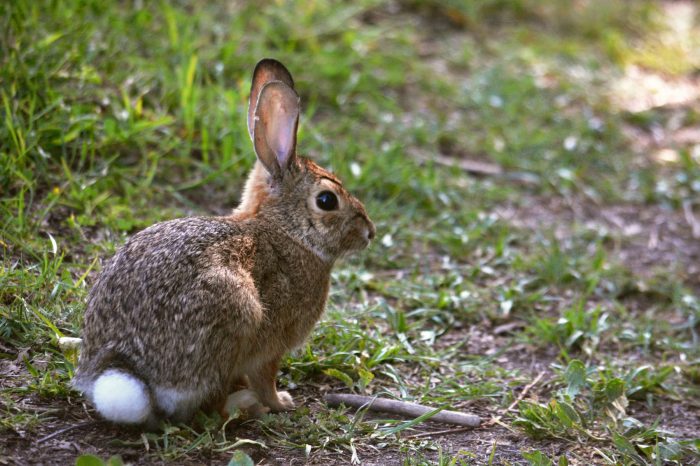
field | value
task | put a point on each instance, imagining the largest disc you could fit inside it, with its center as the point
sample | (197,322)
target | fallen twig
(690,218)
(492,421)
(508,327)
(653,242)
(475,167)
(403,408)
(64,430)
(69,343)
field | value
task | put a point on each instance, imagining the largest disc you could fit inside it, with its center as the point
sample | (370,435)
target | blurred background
(560,91)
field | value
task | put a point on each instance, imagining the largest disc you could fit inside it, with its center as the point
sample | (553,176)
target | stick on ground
(403,408)
(492,421)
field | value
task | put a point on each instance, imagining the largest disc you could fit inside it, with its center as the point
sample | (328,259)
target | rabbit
(190,309)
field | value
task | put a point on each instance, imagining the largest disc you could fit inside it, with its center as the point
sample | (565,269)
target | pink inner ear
(282,146)
(274,135)
(282,132)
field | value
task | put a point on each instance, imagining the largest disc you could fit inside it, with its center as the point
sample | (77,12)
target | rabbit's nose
(371,231)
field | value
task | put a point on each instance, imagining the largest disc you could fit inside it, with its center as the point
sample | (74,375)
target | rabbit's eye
(326,200)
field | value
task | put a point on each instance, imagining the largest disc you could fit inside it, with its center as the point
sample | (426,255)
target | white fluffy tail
(121,397)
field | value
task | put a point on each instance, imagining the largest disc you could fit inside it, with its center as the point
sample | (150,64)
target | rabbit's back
(163,295)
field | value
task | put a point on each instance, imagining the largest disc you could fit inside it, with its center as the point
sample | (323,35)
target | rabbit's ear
(267,69)
(275,127)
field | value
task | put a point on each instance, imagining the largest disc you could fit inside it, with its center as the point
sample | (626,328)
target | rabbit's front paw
(286,403)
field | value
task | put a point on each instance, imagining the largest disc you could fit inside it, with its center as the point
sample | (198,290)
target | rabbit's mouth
(361,235)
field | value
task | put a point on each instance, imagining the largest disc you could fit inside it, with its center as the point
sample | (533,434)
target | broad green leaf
(626,448)
(365,377)
(575,378)
(239,458)
(567,413)
(614,389)
(89,460)
(537,458)
(342,376)
(670,450)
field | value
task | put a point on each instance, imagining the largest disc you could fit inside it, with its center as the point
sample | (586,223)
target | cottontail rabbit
(189,309)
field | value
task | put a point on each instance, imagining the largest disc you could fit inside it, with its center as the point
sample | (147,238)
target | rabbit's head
(304,200)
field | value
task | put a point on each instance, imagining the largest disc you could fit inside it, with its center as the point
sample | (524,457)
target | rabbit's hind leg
(263,382)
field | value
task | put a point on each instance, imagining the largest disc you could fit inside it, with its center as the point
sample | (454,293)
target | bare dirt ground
(646,239)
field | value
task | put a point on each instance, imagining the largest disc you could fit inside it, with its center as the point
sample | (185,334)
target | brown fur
(198,304)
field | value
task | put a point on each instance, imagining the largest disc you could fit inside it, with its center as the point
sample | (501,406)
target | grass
(115,116)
